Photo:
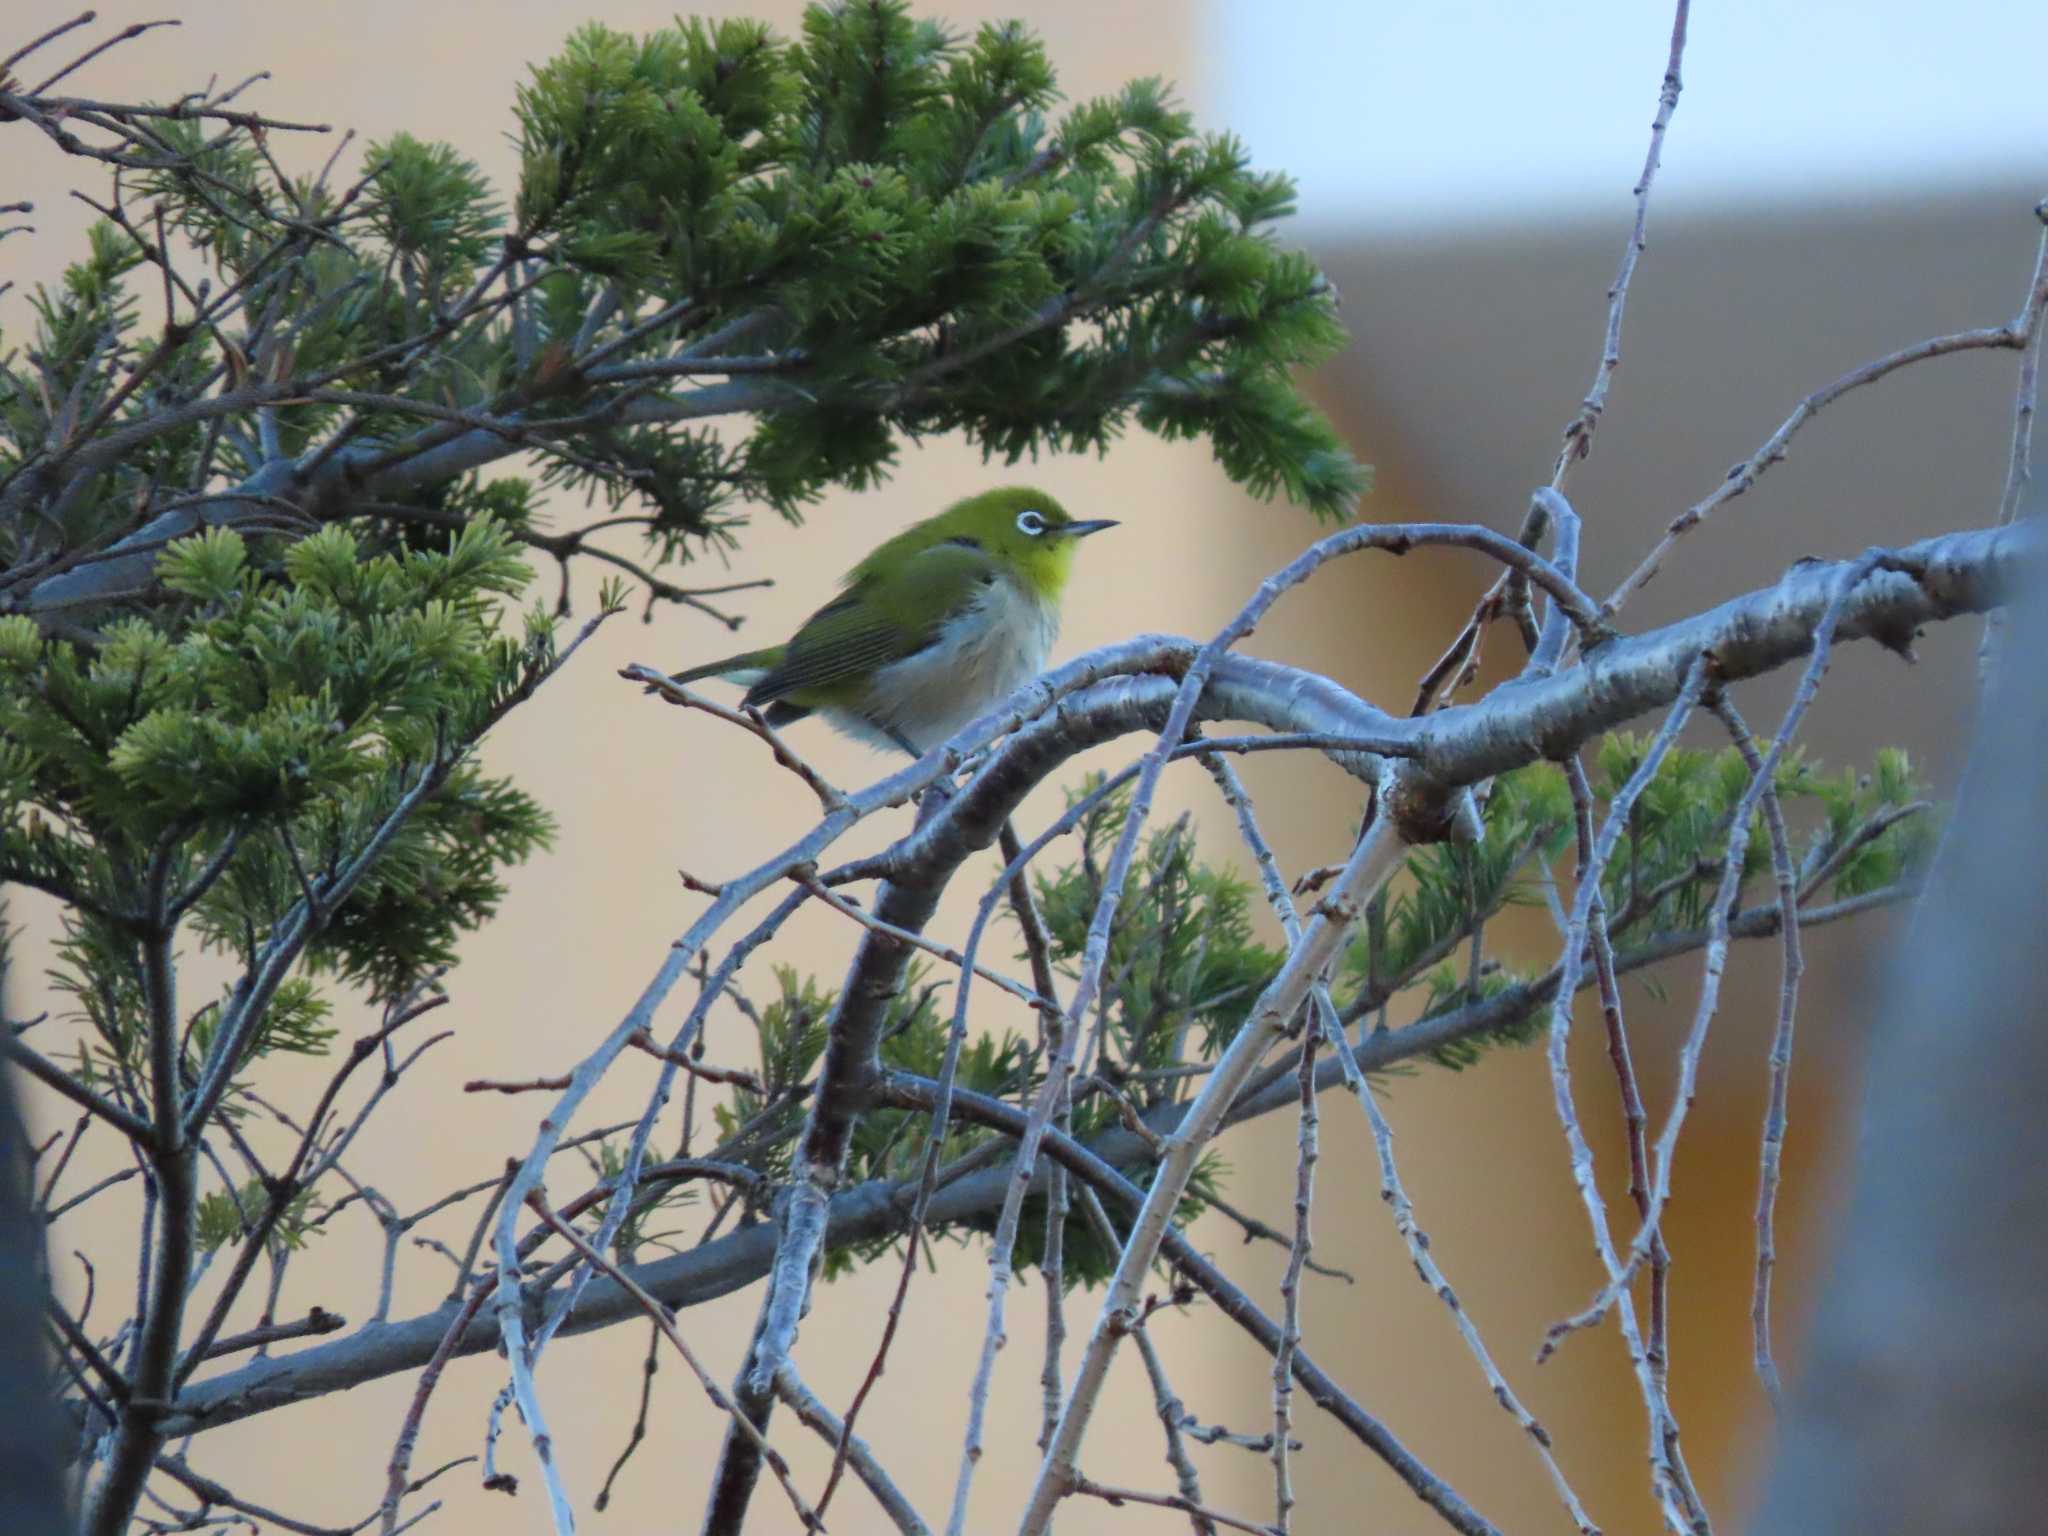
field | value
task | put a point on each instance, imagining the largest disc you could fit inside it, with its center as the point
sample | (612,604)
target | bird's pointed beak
(1082,530)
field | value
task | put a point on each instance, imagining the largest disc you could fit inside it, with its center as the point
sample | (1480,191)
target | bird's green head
(1023,529)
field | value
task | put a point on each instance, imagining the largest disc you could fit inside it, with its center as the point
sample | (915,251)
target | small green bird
(933,628)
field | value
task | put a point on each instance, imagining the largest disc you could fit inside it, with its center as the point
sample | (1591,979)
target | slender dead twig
(1116,1498)
(753,721)
(1374,859)
(1665,1475)
(945,952)
(1859,837)
(2019,471)
(1792,968)
(1257,1231)
(215,1495)
(1665,1151)
(1663,1426)
(1331,1028)
(400,1465)
(1306,1153)
(1578,433)
(315,1323)
(2016,334)
(83,19)
(850,1449)
(664,1322)
(1420,1254)
(1172,1412)
(1458,666)
(650,1365)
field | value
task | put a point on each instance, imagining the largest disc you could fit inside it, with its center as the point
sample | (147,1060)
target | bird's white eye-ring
(1030,524)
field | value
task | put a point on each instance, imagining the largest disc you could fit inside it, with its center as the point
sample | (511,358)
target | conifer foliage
(264,564)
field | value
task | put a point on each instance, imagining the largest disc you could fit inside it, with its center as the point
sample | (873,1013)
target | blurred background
(1839,181)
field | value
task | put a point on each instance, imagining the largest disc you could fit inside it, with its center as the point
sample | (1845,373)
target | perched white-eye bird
(933,628)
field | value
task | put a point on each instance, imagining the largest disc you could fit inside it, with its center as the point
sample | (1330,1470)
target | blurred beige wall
(641,789)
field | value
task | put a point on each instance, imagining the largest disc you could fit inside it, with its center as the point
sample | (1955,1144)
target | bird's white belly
(982,654)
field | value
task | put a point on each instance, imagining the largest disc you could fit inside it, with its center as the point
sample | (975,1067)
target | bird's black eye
(1030,524)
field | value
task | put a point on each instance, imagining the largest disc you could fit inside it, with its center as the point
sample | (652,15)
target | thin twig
(1374,859)
(754,722)
(665,1322)
(312,1325)
(1118,1497)
(945,952)
(1664,1475)
(83,19)
(1052,1269)
(1717,948)
(399,1468)
(1578,433)
(1859,838)
(1792,968)
(1331,1029)
(1662,1428)
(1257,1231)
(2019,472)
(849,1447)
(2015,335)
(213,1494)
(648,1367)
(1172,1413)
(1290,1293)
(50,1075)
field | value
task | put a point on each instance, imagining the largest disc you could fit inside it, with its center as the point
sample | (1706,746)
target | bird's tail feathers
(745,669)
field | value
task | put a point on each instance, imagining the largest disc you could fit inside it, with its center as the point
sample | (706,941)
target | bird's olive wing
(882,618)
